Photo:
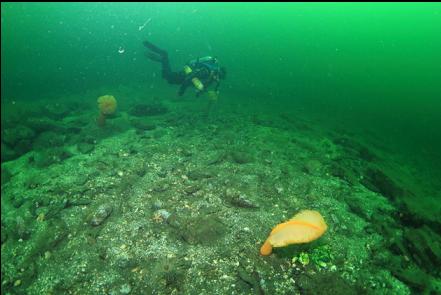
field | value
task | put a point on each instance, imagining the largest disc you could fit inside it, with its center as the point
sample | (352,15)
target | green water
(356,61)
(367,71)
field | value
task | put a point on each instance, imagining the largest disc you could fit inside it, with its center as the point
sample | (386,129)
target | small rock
(312,166)
(141,110)
(125,289)
(204,230)
(47,255)
(85,148)
(40,125)
(56,111)
(124,261)
(192,189)
(12,136)
(6,174)
(157,205)
(241,157)
(161,187)
(4,235)
(377,181)
(198,174)
(217,159)
(143,125)
(101,214)
(43,159)
(242,202)
(48,139)
(8,153)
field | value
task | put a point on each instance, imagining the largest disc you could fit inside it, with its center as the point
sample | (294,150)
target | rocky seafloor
(169,198)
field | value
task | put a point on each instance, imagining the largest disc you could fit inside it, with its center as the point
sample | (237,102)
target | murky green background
(334,107)
(365,64)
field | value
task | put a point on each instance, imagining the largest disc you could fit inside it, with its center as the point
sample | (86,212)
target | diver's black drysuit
(205,69)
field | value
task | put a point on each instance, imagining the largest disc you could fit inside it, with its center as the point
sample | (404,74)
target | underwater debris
(144,24)
(306,226)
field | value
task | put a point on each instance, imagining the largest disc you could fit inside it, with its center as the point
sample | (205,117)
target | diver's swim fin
(154,56)
(154,48)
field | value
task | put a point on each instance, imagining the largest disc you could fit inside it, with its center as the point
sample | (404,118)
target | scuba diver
(202,73)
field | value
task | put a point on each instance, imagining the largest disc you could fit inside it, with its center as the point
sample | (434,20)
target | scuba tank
(196,82)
